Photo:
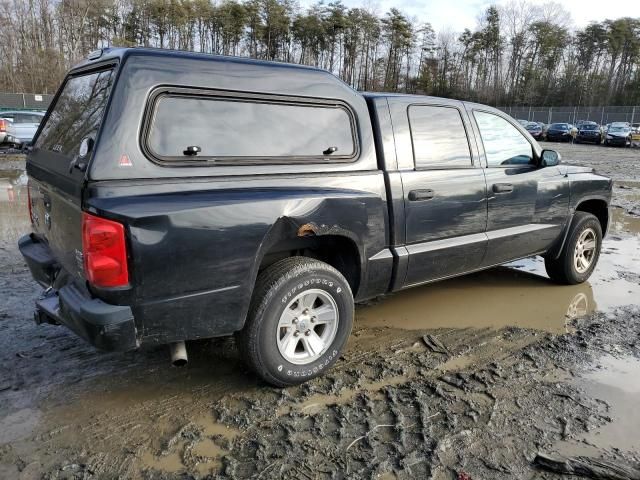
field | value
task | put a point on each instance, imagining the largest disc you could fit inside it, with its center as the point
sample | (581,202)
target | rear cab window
(439,137)
(236,130)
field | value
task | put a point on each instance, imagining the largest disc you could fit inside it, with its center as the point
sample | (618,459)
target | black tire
(563,269)
(275,288)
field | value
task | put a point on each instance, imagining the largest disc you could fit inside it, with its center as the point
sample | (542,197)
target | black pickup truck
(177,196)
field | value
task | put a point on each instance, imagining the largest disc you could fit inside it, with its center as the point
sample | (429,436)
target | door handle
(419,195)
(502,187)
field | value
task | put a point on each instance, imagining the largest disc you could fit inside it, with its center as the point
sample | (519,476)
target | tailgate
(59,159)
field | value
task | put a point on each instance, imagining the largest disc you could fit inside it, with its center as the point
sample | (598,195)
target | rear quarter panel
(195,247)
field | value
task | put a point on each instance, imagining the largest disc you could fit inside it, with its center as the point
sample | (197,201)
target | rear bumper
(8,138)
(106,326)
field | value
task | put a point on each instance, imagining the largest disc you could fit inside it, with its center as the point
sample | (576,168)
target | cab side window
(439,137)
(504,145)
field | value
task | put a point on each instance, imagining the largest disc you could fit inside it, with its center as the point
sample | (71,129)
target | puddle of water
(494,298)
(617,382)
(14,213)
(202,454)
(616,279)
(18,425)
(171,463)
(519,294)
(621,221)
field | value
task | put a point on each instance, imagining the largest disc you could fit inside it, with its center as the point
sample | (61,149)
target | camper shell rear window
(77,113)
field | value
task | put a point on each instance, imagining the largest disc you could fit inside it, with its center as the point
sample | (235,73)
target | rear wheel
(580,253)
(299,321)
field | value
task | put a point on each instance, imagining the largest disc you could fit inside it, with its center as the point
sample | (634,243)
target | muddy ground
(470,378)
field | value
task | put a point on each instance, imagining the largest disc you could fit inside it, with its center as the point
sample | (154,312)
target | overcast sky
(460,14)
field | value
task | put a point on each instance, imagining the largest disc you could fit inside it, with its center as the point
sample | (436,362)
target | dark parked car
(535,130)
(589,132)
(177,196)
(559,132)
(619,134)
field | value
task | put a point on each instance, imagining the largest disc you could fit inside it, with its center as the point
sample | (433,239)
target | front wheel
(299,321)
(580,252)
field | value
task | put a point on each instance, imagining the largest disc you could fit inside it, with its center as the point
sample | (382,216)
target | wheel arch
(331,244)
(338,249)
(597,207)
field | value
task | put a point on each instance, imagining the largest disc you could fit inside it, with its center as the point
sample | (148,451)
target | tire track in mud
(490,417)
(397,410)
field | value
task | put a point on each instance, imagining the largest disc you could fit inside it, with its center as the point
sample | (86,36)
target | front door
(444,196)
(527,203)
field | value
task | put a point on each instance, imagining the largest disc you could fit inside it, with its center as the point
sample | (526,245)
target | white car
(19,126)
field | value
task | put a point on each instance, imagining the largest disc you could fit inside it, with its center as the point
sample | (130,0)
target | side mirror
(549,158)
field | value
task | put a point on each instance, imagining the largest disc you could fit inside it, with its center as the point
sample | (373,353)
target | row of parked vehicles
(616,133)
(18,126)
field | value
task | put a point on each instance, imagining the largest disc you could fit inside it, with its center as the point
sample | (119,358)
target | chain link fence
(24,101)
(601,115)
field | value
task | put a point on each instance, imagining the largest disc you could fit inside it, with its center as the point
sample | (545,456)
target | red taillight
(104,251)
(3,125)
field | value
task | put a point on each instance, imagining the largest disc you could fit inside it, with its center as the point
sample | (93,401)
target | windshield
(533,126)
(77,113)
(589,127)
(559,126)
(618,129)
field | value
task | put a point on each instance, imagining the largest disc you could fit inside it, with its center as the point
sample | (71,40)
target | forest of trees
(520,53)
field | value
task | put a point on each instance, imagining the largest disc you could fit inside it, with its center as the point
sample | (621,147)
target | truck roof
(123,52)
(409,96)
(414,98)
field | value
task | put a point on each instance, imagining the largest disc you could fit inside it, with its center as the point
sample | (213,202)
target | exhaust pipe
(178,354)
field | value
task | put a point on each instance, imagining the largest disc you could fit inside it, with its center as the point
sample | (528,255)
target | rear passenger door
(444,194)
(527,204)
